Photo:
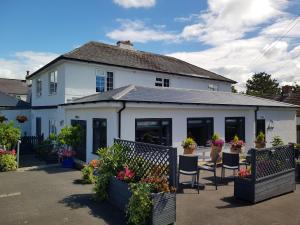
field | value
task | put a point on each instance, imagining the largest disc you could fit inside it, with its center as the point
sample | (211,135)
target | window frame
(202,118)
(170,141)
(39,87)
(161,82)
(53,84)
(109,81)
(241,137)
(94,150)
(52,123)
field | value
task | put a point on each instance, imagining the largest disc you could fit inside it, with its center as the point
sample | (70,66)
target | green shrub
(277,141)
(101,185)
(69,135)
(188,142)
(260,137)
(7,162)
(9,135)
(88,174)
(140,205)
(215,137)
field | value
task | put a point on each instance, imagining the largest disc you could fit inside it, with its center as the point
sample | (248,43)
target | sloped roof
(14,86)
(7,101)
(97,52)
(291,98)
(132,93)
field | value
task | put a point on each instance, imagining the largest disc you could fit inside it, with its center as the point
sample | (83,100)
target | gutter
(255,119)
(120,117)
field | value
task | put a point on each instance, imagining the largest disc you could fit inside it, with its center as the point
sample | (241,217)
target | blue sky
(232,37)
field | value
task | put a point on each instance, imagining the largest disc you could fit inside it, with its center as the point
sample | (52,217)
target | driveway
(53,197)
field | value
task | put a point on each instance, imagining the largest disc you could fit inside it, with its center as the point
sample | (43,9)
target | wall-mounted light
(270,125)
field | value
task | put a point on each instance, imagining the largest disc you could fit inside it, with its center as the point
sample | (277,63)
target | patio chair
(211,167)
(230,161)
(188,165)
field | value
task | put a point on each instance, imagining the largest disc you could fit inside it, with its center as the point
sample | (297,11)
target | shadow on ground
(101,210)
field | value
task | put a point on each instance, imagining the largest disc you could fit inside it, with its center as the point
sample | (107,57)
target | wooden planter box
(256,191)
(164,204)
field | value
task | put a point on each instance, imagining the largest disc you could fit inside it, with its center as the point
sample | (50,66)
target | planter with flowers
(216,144)
(189,146)
(146,197)
(21,118)
(66,157)
(236,145)
(260,141)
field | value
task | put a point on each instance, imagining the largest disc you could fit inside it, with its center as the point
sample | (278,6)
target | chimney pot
(125,44)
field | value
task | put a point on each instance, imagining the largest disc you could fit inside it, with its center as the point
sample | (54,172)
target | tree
(233,89)
(262,85)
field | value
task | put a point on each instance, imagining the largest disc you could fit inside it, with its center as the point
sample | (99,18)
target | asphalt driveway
(53,197)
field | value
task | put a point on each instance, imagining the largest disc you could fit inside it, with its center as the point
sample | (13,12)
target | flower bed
(272,174)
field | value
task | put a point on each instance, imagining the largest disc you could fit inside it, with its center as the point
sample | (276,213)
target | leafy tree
(233,89)
(9,135)
(262,85)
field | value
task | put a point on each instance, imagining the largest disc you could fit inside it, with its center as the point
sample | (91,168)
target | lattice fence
(271,161)
(150,160)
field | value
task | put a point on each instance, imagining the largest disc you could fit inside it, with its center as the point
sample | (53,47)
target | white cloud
(17,65)
(227,20)
(137,31)
(135,3)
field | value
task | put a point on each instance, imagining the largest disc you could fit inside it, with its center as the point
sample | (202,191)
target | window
(154,131)
(109,81)
(38,126)
(200,129)
(234,126)
(212,87)
(52,127)
(160,82)
(100,81)
(260,126)
(99,134)
(38,87)
(53,82)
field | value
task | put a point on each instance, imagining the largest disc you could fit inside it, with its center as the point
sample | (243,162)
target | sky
(234,38)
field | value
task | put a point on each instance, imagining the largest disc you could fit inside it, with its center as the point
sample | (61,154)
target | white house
(117,91)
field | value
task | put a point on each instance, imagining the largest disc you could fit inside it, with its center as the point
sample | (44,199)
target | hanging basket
(21,118)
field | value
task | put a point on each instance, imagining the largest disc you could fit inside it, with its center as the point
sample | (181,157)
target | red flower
(126,174)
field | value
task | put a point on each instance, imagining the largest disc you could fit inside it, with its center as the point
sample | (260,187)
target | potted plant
(189,146)
(2,118)
(236,145)
(216,147)
(260,141)
(277,141)
(21,118)
(67,157)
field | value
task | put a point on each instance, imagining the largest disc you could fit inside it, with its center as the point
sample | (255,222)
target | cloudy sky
(234,38)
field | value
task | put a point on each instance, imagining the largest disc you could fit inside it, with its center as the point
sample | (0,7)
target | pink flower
(126,174)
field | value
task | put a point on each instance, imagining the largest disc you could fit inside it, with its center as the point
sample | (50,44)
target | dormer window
(53,82)
(162,82)
(38,87)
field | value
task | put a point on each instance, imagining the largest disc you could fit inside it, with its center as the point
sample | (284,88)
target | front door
(38,126)
(80,149)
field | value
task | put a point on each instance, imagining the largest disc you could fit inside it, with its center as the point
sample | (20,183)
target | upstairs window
(213,87)
(53,82)
(109,81)
(100,81)
(160,82)
(38,87)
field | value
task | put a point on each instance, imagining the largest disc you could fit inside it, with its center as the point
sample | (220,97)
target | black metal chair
(188,165)
(211,167)
(230,161)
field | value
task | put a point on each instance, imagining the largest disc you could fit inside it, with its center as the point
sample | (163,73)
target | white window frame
(52,126)
(160,82)
(103,73)
(38,87)
(53,84)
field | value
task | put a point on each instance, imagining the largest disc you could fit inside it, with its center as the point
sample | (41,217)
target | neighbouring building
(120,92)
(15,88)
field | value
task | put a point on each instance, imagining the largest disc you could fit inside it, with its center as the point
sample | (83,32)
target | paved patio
(53,197)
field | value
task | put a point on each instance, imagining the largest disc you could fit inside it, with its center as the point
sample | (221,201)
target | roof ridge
(125,91)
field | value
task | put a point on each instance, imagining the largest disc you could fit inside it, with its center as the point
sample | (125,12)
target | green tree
(233,89)
(262,85)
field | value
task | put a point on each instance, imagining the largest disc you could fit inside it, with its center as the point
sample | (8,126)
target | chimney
(125,44)
(27,73)
(286,90)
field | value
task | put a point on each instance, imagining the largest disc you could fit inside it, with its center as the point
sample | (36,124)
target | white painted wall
(284,124)
(46,98)
(81,79)
(11,116)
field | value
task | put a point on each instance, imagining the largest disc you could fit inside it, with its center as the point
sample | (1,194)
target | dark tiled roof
(7,101)
(113,55)
(133,93)
(14,86)
(291,98)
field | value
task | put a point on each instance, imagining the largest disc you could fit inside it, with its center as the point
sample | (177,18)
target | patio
(52,196)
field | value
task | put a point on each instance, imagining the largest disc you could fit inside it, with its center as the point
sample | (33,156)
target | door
(38,126)
(99,134)
(80,149)
(298,134)
(260,126)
